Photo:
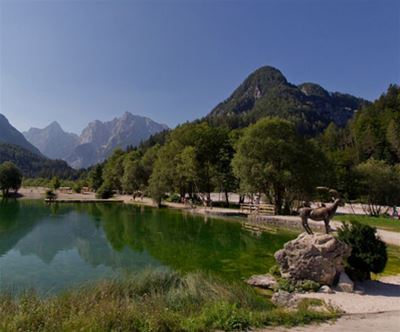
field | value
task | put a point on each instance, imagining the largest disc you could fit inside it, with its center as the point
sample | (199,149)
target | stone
(285,299)
(263,281)
(317,257)
(345,284)
(325,289)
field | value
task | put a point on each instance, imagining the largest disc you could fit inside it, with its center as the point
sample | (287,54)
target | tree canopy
(10,178)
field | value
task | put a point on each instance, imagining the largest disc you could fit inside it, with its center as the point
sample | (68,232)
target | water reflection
(53,247)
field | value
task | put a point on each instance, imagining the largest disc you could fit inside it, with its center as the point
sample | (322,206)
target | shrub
(51,195)
(104,192)
(368,251)
(175,198)
(298,286)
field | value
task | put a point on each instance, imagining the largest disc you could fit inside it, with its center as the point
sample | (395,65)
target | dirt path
(375,311)
(379,322)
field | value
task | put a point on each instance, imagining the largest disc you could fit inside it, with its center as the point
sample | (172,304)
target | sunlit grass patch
(151,301)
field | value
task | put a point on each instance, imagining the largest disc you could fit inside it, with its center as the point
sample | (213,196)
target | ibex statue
(324,213)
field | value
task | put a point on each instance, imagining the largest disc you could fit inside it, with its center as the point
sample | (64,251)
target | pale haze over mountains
(265,92)
(97,140)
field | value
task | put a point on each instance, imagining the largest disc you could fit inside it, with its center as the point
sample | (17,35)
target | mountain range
(97,140)
(266,92)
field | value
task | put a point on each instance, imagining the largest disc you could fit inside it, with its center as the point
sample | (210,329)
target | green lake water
(53,247)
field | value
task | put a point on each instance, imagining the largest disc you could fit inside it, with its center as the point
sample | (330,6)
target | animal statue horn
(324,213)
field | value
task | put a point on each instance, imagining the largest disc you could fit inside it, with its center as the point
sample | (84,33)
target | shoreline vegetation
(155,300)
(230,214)
(158,300)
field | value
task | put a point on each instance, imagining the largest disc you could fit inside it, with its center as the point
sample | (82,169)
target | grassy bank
(393,263)
(151,301)
(378,222)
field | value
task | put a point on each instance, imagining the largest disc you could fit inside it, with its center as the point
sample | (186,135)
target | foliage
(368,251)
(376,129)
(290,286)
(266,93)
(55,183)
(34,165)
(113,171)
(105,191)
(10,178)
(194,160)
(152,301)
(272,159)
(174,198)
(50,195)
(95,177)
(381,222)
(379,185)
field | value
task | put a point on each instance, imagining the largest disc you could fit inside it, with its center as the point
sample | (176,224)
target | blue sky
(173,61)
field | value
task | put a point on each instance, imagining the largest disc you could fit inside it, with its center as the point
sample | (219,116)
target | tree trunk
(227,198)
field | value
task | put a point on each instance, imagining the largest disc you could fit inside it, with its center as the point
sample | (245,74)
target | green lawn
(378,222)
(393,263)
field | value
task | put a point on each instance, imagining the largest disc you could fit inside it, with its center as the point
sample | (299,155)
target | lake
(53,247)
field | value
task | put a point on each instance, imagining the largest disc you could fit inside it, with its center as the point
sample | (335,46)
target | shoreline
(380,296)
(257,223)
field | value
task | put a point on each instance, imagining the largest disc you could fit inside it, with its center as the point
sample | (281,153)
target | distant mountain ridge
(52,141)
(10,135)
(266,92)
(97,140)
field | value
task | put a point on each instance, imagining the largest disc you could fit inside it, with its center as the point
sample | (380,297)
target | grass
(378,222)
(152,301)
(393,263)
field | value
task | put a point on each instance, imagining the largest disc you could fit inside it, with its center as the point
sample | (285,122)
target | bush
(104,192)
(298,286)
(175,198)
(51,195)
(77,187)
(368,251)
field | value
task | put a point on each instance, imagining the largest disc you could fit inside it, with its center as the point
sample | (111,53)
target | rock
(285,299)
(317,257)
(326,290)
(345,284)
(263,281)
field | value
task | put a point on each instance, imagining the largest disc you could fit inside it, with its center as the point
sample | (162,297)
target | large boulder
(318,257)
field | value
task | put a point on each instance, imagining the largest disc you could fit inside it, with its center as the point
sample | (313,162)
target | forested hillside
(266,92)
(34,165)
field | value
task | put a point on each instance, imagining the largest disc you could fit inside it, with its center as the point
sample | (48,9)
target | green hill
(34,165)
(266,92)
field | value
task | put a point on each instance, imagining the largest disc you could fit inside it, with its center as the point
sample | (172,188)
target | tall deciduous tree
(273,159)
(379,185)
(10,178)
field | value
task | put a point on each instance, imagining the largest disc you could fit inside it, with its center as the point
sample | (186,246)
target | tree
(10,178)
(379,186)
(113,171)
(273,159)
(95,177)
(133,178)
(55,183)
(368,252)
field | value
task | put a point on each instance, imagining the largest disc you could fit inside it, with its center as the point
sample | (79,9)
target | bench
(258,208)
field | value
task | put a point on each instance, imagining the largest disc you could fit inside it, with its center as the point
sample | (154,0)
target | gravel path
(380,322)
(376,311)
